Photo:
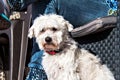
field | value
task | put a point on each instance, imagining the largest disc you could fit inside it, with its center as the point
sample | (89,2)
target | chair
(18,42)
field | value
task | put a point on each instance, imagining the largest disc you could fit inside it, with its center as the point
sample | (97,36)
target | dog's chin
(50,47)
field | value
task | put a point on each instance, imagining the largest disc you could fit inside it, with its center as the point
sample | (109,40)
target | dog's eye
(54,29)
(43,30)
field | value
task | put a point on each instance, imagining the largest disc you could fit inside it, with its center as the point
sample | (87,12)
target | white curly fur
(71,63)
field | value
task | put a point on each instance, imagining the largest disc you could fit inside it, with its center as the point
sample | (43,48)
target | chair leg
(10,37)
(12,73)
(24,44)
(16,47)
(9,33)
(11,51)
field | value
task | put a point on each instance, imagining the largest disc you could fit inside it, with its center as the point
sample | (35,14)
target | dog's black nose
(48,39)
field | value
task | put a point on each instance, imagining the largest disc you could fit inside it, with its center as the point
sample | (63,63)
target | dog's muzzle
(49,45)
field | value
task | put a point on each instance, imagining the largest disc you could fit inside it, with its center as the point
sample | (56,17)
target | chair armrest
(94,26)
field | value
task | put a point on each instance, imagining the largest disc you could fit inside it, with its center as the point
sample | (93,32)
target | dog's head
(50,31)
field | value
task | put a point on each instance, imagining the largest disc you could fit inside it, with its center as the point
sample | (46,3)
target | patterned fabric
(36,70)
(36,60)
(113,6)
(36,74)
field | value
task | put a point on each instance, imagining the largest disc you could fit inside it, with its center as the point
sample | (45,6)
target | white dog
(63,59)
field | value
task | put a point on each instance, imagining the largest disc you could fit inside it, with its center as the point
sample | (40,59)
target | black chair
(102,39)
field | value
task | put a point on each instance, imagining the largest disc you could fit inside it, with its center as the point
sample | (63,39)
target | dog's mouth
(50,46)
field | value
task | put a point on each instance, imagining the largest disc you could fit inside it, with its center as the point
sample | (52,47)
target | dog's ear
(69,26)
(31,32)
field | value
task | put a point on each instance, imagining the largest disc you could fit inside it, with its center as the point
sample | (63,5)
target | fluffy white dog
(63,59)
